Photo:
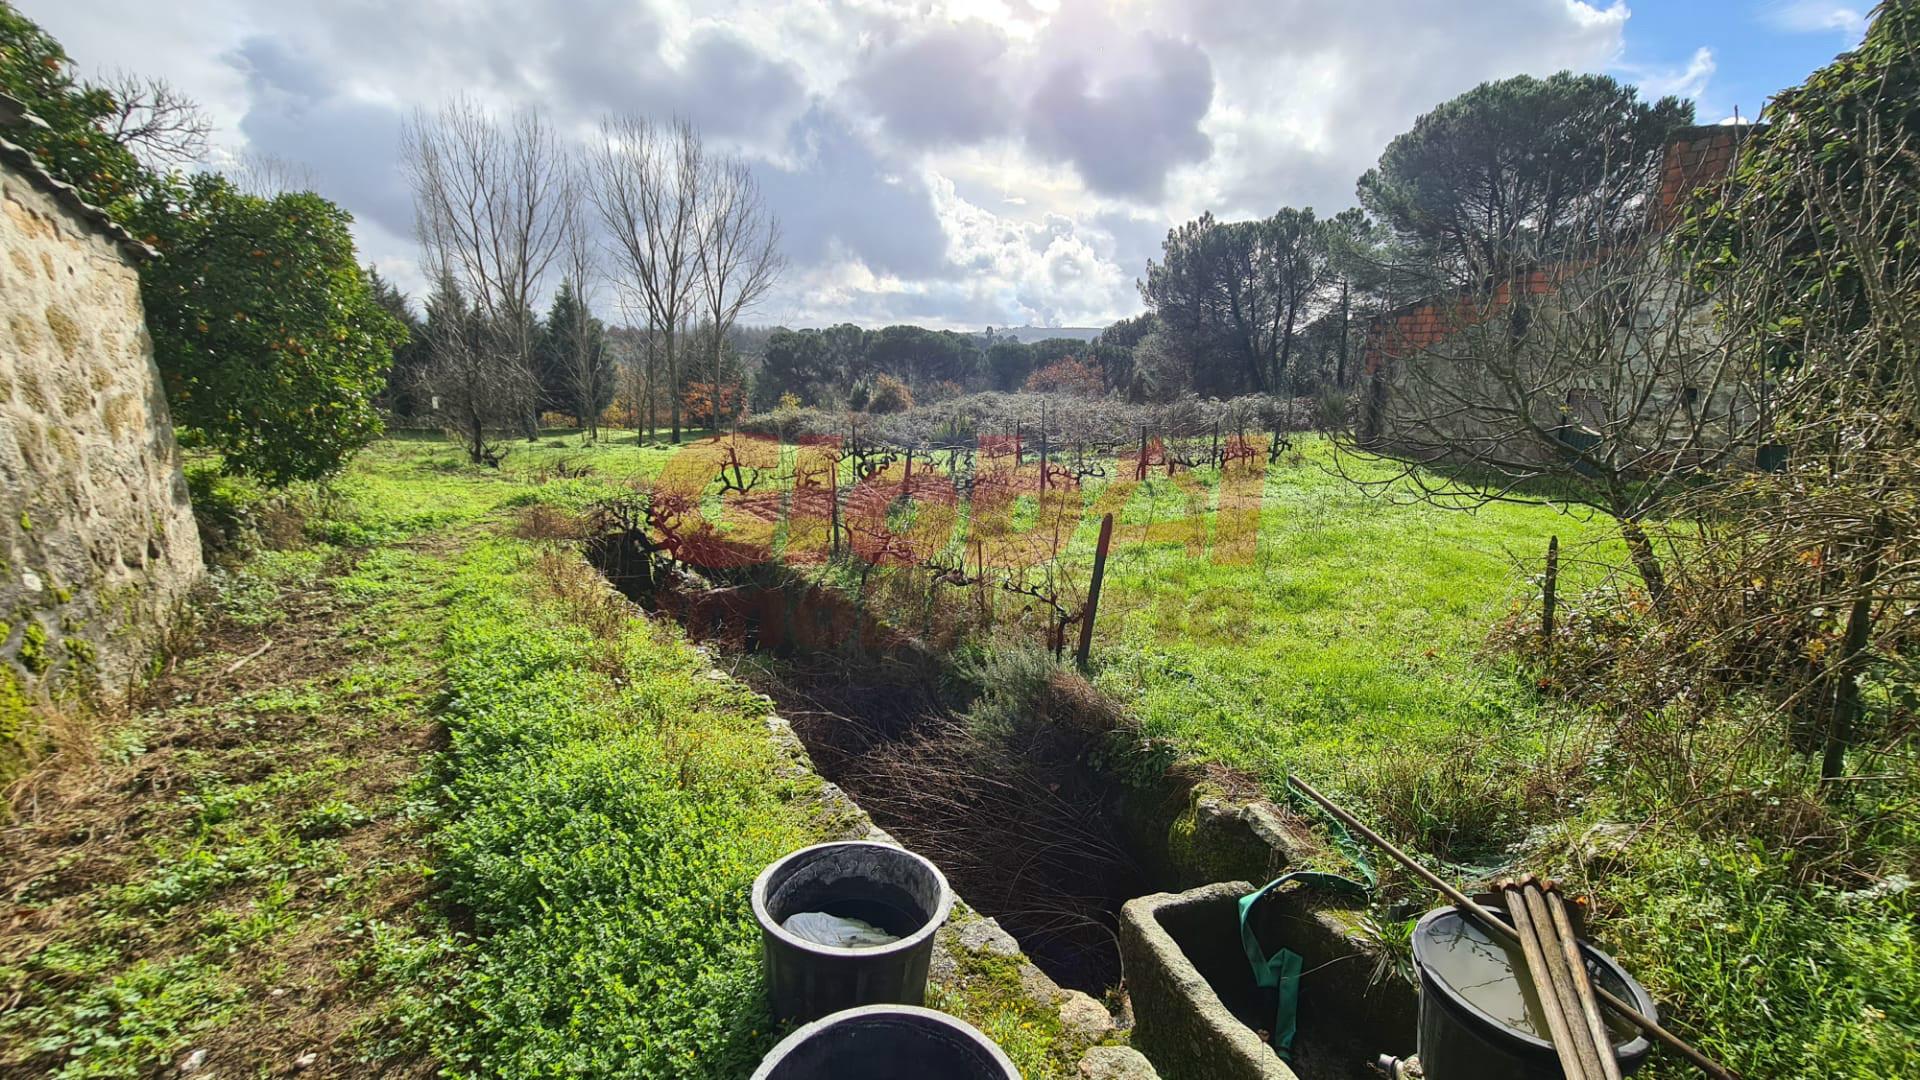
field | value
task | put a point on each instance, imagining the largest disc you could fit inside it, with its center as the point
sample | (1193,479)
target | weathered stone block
(1197,1010)
(1116,1063)
(89,471)
(1179,1021)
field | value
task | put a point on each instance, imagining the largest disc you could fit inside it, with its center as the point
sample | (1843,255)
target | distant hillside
(1027,335)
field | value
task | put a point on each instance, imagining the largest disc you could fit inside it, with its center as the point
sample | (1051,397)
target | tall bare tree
(586,363)
(737,248)
(164,128)
(491,200)
(626,351)
(267,175)
(646,184)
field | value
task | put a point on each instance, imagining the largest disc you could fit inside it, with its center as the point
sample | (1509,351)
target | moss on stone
(80,654)
(987,991)
(34,654)
(64,443)
(15,714)
(1206,843)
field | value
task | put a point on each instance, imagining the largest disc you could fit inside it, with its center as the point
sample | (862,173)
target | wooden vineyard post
(1043,447)
(1141,472)
(833,503)
(1093,592)
(1547,591)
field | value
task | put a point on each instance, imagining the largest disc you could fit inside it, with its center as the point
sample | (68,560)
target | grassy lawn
(1352,640)
(422,796)
(1779,931)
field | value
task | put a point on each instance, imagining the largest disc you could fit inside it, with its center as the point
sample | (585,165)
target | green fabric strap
(1281,971)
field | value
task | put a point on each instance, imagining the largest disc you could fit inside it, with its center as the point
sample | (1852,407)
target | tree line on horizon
(1504,174)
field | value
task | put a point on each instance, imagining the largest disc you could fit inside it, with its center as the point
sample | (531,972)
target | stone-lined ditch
(1049,825)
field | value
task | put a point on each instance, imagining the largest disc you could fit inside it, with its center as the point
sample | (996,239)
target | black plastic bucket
(1475,1020)
(890,887)
(887,1042)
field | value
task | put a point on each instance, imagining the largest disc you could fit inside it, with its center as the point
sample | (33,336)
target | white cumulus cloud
(952,162)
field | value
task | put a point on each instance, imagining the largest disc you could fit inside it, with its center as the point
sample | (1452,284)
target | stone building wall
(97,540)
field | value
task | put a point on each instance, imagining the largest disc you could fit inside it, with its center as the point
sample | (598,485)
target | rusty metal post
(1093,591)
(1548,599)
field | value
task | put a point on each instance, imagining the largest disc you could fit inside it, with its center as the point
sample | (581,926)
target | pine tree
(408,359)
(571,361)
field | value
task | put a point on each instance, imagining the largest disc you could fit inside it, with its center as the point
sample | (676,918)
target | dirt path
(231,883)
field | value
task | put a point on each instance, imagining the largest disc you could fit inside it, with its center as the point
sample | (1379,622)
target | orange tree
(269,339)
(74,145)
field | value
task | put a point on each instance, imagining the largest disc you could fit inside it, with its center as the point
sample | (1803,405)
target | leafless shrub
(646,185)
(543,522)
(165,129)
(491,206)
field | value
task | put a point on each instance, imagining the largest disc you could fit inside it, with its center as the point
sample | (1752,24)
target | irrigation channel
(1031,821)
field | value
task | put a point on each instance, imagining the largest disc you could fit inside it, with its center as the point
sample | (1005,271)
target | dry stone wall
(97,540)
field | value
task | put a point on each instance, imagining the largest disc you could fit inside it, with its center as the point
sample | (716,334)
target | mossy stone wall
(97,541)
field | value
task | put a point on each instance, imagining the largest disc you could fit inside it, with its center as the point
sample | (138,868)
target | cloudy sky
(956,163)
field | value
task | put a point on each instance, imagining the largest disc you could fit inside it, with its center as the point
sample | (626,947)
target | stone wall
(97,540)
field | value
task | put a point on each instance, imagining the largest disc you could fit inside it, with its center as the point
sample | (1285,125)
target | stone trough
(1198,1014)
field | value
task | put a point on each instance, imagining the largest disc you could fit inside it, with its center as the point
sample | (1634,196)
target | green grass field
(422,797)
(561,889)
(1352,645)
(1354,636)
